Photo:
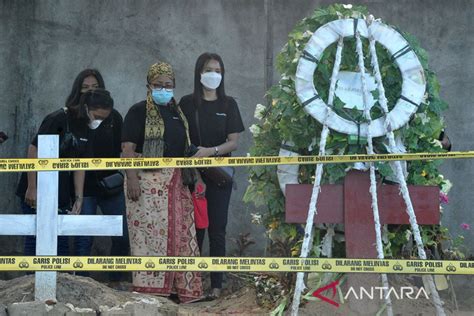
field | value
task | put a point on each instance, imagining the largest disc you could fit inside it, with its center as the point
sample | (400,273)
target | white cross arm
(90,225)
(68,225)
(14,225)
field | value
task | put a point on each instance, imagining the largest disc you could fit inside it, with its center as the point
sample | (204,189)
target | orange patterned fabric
(161,223)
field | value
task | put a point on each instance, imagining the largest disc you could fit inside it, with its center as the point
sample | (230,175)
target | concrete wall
(44,44)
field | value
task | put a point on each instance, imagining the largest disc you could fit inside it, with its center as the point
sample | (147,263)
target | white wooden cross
(47,225)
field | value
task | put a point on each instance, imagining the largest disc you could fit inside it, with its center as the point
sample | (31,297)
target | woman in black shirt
(214,125)
(104,135)
(160,210)
(70,123)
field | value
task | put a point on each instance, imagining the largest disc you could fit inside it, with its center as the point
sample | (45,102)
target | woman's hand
(77,207)
(79,180)
(200,188)
(204,152)
(30,196)
(133,188)
(133,185)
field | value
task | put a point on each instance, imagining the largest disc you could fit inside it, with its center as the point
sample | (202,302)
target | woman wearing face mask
(160,210)
(70,123)
(104,135)
(214,124)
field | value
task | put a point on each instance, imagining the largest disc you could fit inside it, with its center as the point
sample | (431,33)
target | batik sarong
(161,223)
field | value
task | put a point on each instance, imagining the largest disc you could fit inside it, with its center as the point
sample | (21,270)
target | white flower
(259,111)
(446,186)
(408,234)
(307,33)
(437,143)
(256,218)
(424,118)
(347,6)
(254,129)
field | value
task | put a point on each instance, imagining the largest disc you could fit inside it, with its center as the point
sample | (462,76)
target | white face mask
(211,80)
(95,123)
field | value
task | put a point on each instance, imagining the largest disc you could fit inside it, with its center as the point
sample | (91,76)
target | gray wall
(44,44)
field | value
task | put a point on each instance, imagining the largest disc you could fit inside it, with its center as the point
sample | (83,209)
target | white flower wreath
(413,87)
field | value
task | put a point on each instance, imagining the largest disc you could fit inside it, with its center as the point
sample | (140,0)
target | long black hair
(200,63)
(73,99)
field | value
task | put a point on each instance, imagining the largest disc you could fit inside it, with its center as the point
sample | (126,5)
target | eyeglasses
(168,88)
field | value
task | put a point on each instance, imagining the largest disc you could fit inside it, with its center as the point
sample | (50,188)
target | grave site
(342,202)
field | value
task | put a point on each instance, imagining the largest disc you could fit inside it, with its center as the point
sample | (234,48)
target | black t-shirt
(217,119)
(174,136)
(60,123)
(104,142)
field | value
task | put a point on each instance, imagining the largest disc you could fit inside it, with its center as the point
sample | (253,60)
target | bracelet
(216,151)
(79,197)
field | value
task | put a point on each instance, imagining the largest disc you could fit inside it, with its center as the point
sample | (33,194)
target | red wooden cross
(350,204)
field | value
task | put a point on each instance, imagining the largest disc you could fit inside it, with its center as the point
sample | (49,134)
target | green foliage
(286,120)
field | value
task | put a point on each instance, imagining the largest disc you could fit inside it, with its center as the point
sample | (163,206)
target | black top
(217,119)
(59,123)
(174,136)
(104,142)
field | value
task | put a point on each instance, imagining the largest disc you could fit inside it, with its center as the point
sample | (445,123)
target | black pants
(217,208)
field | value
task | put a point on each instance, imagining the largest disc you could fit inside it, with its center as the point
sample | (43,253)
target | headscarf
(154,125)
(160,69)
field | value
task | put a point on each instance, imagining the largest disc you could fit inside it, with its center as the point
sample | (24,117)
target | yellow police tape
(61,164)
(231,264)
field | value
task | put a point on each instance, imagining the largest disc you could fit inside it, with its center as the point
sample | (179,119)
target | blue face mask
(161,96)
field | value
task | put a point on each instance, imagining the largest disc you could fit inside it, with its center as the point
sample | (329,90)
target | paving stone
(27,309)
(86,313)
(153,309)
(3,310)
(120,312)
(59,309)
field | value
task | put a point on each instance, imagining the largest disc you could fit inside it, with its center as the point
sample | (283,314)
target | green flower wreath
(285,119)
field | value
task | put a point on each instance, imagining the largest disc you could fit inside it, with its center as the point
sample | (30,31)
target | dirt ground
(238,299)
(84,292)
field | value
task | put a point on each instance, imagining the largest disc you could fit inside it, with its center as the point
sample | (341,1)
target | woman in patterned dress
(160,210)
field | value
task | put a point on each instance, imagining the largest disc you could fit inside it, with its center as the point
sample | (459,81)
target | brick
(144,309)
(27,309)
(84,313)
(120,312)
